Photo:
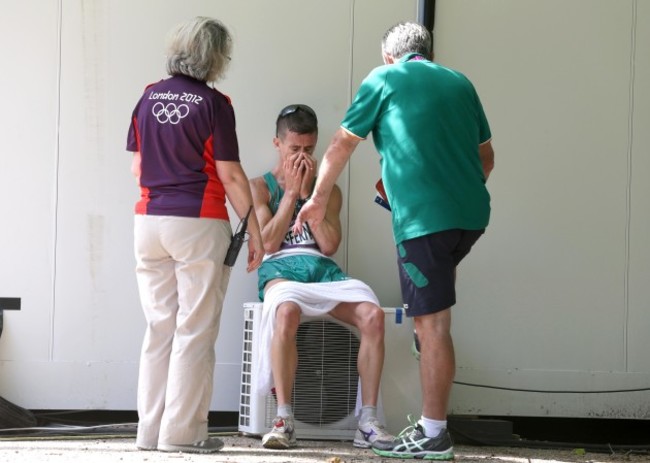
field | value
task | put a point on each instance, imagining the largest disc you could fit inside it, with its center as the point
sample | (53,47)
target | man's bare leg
(284,352)
(284,361)
(369,320)
(437,362)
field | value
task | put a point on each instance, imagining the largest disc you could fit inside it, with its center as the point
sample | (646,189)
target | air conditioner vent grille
(326,386)
(325,389)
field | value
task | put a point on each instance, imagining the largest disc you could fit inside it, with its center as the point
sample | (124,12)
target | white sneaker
(282,436)
(372,434)
(412,443)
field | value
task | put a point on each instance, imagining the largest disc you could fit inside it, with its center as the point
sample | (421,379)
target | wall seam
(348,174)
(628,201)
(55,193)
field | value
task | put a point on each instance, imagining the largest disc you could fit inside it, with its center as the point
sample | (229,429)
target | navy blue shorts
(427,268)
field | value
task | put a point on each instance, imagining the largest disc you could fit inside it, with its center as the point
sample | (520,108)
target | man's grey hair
(405,38)
(199,48)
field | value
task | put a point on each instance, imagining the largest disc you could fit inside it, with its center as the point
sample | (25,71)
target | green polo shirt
(427,123)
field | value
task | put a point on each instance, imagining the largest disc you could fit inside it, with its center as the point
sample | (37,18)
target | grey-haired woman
(186,162)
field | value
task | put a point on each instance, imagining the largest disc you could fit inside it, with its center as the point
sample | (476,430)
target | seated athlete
(298,276)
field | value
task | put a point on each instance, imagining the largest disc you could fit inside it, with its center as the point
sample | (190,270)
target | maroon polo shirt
(181,127)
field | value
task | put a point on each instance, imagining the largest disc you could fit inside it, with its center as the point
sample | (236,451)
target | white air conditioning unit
(327,382)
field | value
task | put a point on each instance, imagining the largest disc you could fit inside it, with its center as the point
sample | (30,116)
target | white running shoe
(372,434)
(282,436)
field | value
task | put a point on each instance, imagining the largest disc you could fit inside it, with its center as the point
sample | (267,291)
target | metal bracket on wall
(7,303)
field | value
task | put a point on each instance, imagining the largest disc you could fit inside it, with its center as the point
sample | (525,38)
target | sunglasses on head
(292,108)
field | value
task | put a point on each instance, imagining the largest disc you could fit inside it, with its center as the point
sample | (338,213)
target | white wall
(28,163)
(66,192)
(554,297)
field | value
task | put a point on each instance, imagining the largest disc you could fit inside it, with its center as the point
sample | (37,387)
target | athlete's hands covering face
(309,173)
(299,173)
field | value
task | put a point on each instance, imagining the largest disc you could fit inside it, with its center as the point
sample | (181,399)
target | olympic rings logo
(170,112)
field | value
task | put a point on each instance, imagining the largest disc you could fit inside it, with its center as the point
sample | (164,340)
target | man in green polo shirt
(434,140)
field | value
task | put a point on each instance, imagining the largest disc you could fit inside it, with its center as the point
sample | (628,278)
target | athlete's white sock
(368,413)
(432,427)
(285,411)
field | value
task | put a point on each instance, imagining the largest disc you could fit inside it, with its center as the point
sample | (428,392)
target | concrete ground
(240,449)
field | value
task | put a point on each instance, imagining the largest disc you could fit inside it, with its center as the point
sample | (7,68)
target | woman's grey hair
(405,38)
(199,48)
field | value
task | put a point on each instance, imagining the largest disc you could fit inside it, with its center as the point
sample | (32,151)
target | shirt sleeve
(133,137)
(362,114)
(224,135)
(484,132)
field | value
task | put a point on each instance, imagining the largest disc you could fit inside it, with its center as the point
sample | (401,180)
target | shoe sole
(364,444)
(415,351)
(189,449)
(425,455)
(361,444)
(277,444)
